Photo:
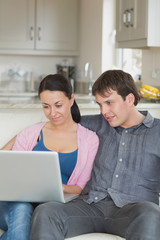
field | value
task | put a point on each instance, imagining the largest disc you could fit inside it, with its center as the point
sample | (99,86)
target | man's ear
(130,98)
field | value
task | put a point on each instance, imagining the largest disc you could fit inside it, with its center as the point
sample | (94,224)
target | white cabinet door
(131,19)
(17,24)
(122,7)
(138,23)
(56,24)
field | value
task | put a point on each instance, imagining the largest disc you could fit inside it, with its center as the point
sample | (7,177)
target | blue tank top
(67,160)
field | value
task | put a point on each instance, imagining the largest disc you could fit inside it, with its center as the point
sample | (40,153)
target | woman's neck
(67,126)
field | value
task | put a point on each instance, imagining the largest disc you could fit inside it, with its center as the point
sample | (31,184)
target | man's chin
(113,124)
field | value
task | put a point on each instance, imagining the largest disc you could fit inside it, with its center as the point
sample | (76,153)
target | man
(122,195)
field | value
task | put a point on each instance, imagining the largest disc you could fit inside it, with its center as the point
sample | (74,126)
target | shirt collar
(148,121)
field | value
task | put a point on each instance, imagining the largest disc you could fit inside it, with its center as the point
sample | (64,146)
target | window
(131,62)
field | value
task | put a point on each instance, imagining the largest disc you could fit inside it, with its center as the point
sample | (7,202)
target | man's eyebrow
(45,103)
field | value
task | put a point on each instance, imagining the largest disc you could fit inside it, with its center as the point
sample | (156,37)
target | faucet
(88,66)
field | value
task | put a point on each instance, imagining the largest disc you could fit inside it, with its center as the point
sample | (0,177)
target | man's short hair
(116,80)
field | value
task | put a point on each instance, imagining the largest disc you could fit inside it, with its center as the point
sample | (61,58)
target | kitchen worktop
(37,104)
(31,100)
(85,108)
(86,103)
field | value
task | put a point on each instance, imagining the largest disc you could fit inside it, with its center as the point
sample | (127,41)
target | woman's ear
(130,98)
(72,99)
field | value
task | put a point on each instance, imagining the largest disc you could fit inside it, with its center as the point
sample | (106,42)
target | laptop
(31,176)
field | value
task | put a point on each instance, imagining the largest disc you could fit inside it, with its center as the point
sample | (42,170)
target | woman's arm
(72,189)
(9,145)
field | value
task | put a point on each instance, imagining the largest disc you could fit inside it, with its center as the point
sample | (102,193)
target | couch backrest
(13,121)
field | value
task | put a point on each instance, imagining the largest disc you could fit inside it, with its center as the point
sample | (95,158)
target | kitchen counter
(86,103)
(85,108)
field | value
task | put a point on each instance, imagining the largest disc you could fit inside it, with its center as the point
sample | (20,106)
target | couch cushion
(96,236)
(91,236)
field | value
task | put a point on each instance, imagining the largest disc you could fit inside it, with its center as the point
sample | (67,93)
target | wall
(97,39)
(109,51)
(150,65)
(90,37)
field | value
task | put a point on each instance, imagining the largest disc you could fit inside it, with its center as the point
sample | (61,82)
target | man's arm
(92,122)
(9,145)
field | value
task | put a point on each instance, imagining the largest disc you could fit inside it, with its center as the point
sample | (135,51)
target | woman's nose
(53,111)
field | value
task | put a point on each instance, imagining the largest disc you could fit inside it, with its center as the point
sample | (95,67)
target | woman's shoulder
(85,132)
(87,138)
(34,127)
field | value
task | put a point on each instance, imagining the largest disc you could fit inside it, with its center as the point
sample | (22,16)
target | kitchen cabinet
(137,23)
(16,24)
(38,27)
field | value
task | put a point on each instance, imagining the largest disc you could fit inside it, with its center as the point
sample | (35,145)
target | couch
(92,236)
(14,120)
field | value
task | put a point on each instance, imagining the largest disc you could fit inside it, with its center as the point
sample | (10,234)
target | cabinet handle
(132,17)
(31,33)
(39,33)
(129,16)
(126,18)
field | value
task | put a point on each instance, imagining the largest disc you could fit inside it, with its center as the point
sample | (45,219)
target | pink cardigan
(87,148)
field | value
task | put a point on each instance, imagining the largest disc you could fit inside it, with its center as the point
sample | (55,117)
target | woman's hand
(71,189)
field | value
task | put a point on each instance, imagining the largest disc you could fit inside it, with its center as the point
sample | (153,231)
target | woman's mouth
(55,118)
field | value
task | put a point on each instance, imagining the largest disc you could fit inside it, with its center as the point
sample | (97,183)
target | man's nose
(105,109)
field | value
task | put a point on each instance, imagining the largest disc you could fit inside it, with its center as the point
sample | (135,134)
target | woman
(76,146)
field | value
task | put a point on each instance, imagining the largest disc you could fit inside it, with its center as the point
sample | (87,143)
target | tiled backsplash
(38,66)
(150,63)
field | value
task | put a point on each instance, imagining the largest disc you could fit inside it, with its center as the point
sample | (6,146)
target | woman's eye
(58,106)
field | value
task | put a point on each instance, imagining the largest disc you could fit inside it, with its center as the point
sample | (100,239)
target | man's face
(115,110)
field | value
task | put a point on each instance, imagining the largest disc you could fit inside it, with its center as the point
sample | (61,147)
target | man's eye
(58,106)
(99,104)
(109,103)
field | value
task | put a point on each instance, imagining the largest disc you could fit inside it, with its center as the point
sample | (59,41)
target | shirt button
(96,198)
(120,159)
(117,176)
(126,131)
(123,143)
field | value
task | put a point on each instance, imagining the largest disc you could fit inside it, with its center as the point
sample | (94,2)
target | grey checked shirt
(127,165)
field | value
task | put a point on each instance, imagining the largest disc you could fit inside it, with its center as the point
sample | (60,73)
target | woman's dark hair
(117,80)
(57,82)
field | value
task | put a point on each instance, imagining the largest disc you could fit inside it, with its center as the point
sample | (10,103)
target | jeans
(15,220)
(136,221)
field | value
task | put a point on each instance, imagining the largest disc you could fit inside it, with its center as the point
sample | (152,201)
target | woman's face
(56,106)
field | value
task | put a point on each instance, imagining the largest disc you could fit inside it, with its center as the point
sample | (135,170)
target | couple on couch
(120,194)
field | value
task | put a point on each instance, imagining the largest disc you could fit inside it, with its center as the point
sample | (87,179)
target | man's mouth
(109,118)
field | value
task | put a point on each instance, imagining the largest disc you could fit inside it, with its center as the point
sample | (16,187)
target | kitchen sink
(18,97)
(86,101)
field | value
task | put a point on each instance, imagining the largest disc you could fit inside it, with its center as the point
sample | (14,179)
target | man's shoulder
(93,122)
(95,117)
